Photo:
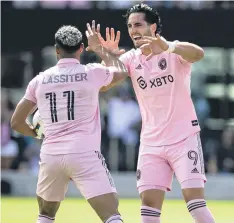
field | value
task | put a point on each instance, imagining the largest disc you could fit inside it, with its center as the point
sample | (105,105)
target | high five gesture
(111,44)
(112,41)
(92,36)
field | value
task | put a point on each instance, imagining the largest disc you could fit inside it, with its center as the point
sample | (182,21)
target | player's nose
(134,30)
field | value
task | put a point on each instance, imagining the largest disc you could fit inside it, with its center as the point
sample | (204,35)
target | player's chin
(137,44)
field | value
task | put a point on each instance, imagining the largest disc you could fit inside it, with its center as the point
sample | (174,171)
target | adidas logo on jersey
(138,67)
(195,170)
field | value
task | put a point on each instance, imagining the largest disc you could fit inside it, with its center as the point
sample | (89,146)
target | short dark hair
(151,15)
(69,38)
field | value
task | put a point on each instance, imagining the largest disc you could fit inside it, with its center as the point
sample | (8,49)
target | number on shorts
(70,105)
(193,156)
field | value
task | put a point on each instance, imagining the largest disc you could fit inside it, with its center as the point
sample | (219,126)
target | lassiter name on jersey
(54,79)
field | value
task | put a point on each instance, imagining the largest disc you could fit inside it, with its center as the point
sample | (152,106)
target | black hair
(151,15)
(68,38)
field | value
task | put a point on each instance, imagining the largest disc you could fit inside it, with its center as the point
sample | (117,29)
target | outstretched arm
(117,79)
(109,57)
(112,45)
(118,76)
(188,51)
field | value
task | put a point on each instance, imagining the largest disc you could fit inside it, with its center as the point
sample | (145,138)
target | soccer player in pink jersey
(170,142)
(67,99)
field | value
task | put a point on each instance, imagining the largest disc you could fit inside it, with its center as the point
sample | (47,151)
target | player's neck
(70,57)
(65,55)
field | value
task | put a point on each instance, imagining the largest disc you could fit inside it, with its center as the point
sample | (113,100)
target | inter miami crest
(162,64)
(138,174)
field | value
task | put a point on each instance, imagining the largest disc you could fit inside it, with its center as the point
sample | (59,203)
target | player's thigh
(52,179)
(92,176)
(154,177)
(95,183)
(187,161)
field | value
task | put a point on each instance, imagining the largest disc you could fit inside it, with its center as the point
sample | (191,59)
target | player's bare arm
(109,55)
(112,41)
(188,51)
(112,45)
(19,119)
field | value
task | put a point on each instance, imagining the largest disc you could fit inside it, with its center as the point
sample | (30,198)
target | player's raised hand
(112,41)
(91,34)
(156,44)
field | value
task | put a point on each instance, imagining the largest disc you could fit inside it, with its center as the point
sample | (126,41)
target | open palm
(112,42)
(156,45)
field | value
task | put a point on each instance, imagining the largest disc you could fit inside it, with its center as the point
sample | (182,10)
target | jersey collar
(68,60)
(138,52)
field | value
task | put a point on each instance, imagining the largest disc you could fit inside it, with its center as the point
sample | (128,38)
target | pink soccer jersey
(67,99)
(162,87)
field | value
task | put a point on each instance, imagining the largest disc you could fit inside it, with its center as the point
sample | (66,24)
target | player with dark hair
(160,71)
(67,99)
(151,15)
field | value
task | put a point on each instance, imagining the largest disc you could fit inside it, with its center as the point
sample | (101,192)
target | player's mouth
(136,37)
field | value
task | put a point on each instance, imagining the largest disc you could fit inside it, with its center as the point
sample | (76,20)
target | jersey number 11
(70,105)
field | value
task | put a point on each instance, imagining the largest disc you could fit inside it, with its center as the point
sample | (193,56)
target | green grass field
(24,210)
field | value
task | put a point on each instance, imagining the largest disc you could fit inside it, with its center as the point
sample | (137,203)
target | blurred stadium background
(27,39)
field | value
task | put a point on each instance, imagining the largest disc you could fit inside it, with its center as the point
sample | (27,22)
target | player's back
(67,99)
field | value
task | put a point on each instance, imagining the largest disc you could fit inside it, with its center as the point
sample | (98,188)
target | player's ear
(57,50)
(153,29)
(81,48)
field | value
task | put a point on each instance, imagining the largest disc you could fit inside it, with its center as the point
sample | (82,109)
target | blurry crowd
(88,4)
(121,125)
(17,152)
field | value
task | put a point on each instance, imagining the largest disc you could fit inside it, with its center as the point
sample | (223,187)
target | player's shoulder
(130,53)
(129,56)
(34,81)
(170,56)
(44,73)
(90,67)
(94,65)
(176,60)
(49,71)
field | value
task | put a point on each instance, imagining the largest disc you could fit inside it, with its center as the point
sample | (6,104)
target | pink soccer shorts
(157,165)
(87,170)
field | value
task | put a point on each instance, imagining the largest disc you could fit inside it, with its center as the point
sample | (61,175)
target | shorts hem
(49,200)
(99,194)
(152,187)
(195,178)
(193,183)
